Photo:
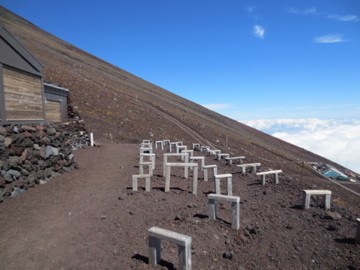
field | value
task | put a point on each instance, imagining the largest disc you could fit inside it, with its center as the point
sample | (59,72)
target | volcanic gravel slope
(91,219)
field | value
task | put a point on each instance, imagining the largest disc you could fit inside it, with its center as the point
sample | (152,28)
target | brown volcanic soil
(91,219)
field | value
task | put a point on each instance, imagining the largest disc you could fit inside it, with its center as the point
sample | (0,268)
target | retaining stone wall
(33,154)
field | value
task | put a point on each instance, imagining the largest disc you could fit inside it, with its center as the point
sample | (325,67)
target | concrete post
(154,250)
(91,139)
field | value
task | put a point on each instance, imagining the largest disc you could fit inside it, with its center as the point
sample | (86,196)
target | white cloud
(217,106)
(337,140)
(308,11)
(329,39)
(259,31)
(344,18)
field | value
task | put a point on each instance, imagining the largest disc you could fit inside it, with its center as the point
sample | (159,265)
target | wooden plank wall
(23,96)
(53,111)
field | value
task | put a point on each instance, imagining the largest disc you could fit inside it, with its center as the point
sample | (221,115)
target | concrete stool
(182,241)
(151,156)
(146,144)
(195,146)
(186,165)
(357,235)
(202,159)
(244,166)
(161,144)
(235,208)
(174,143)
(180,148)
(148,164)
(230,159)
(206,167)
(135,178)
(228,177)
(184,156)
(307,195)
(263,174)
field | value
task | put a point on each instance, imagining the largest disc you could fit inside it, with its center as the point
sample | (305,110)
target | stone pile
(33,154)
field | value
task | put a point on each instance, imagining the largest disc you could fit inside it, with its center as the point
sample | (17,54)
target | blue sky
(249,60)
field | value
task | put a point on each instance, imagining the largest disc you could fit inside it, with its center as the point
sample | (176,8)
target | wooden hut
(55,103)
(21,83)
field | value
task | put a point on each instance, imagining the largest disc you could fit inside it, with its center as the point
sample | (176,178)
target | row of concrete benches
(183,242)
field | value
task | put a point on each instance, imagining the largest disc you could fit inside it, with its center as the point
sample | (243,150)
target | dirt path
(91,219)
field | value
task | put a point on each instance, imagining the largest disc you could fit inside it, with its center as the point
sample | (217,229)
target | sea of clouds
(337,140)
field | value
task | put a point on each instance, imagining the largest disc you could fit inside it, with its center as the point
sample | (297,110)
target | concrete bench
(195,146)
(228,177)
(174,144)
(307,196)
(161,144)
(230,159)
(183,156)
(222,155)
(146,141)
(146,145)
(180,148)
(150,156)
(182,241)
(195,175)
(166,142)
(244,166)
(202,161)
(235,208)
(357,235)
(146,164)
(206,167)
(263,175)
(135,178)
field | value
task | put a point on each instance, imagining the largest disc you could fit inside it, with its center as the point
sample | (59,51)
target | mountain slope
(122,107)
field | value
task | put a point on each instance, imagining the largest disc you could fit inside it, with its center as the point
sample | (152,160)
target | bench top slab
(249,164)
(147,154)
(224,197)
(317,192)
(240,157)
(174,237)
(141,175)
(198,157)
(145,163)
(210,166)
(269,172)
(223,175)
(181,164)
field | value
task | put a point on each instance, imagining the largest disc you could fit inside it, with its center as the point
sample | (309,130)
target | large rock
(51,151)
(8,141)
